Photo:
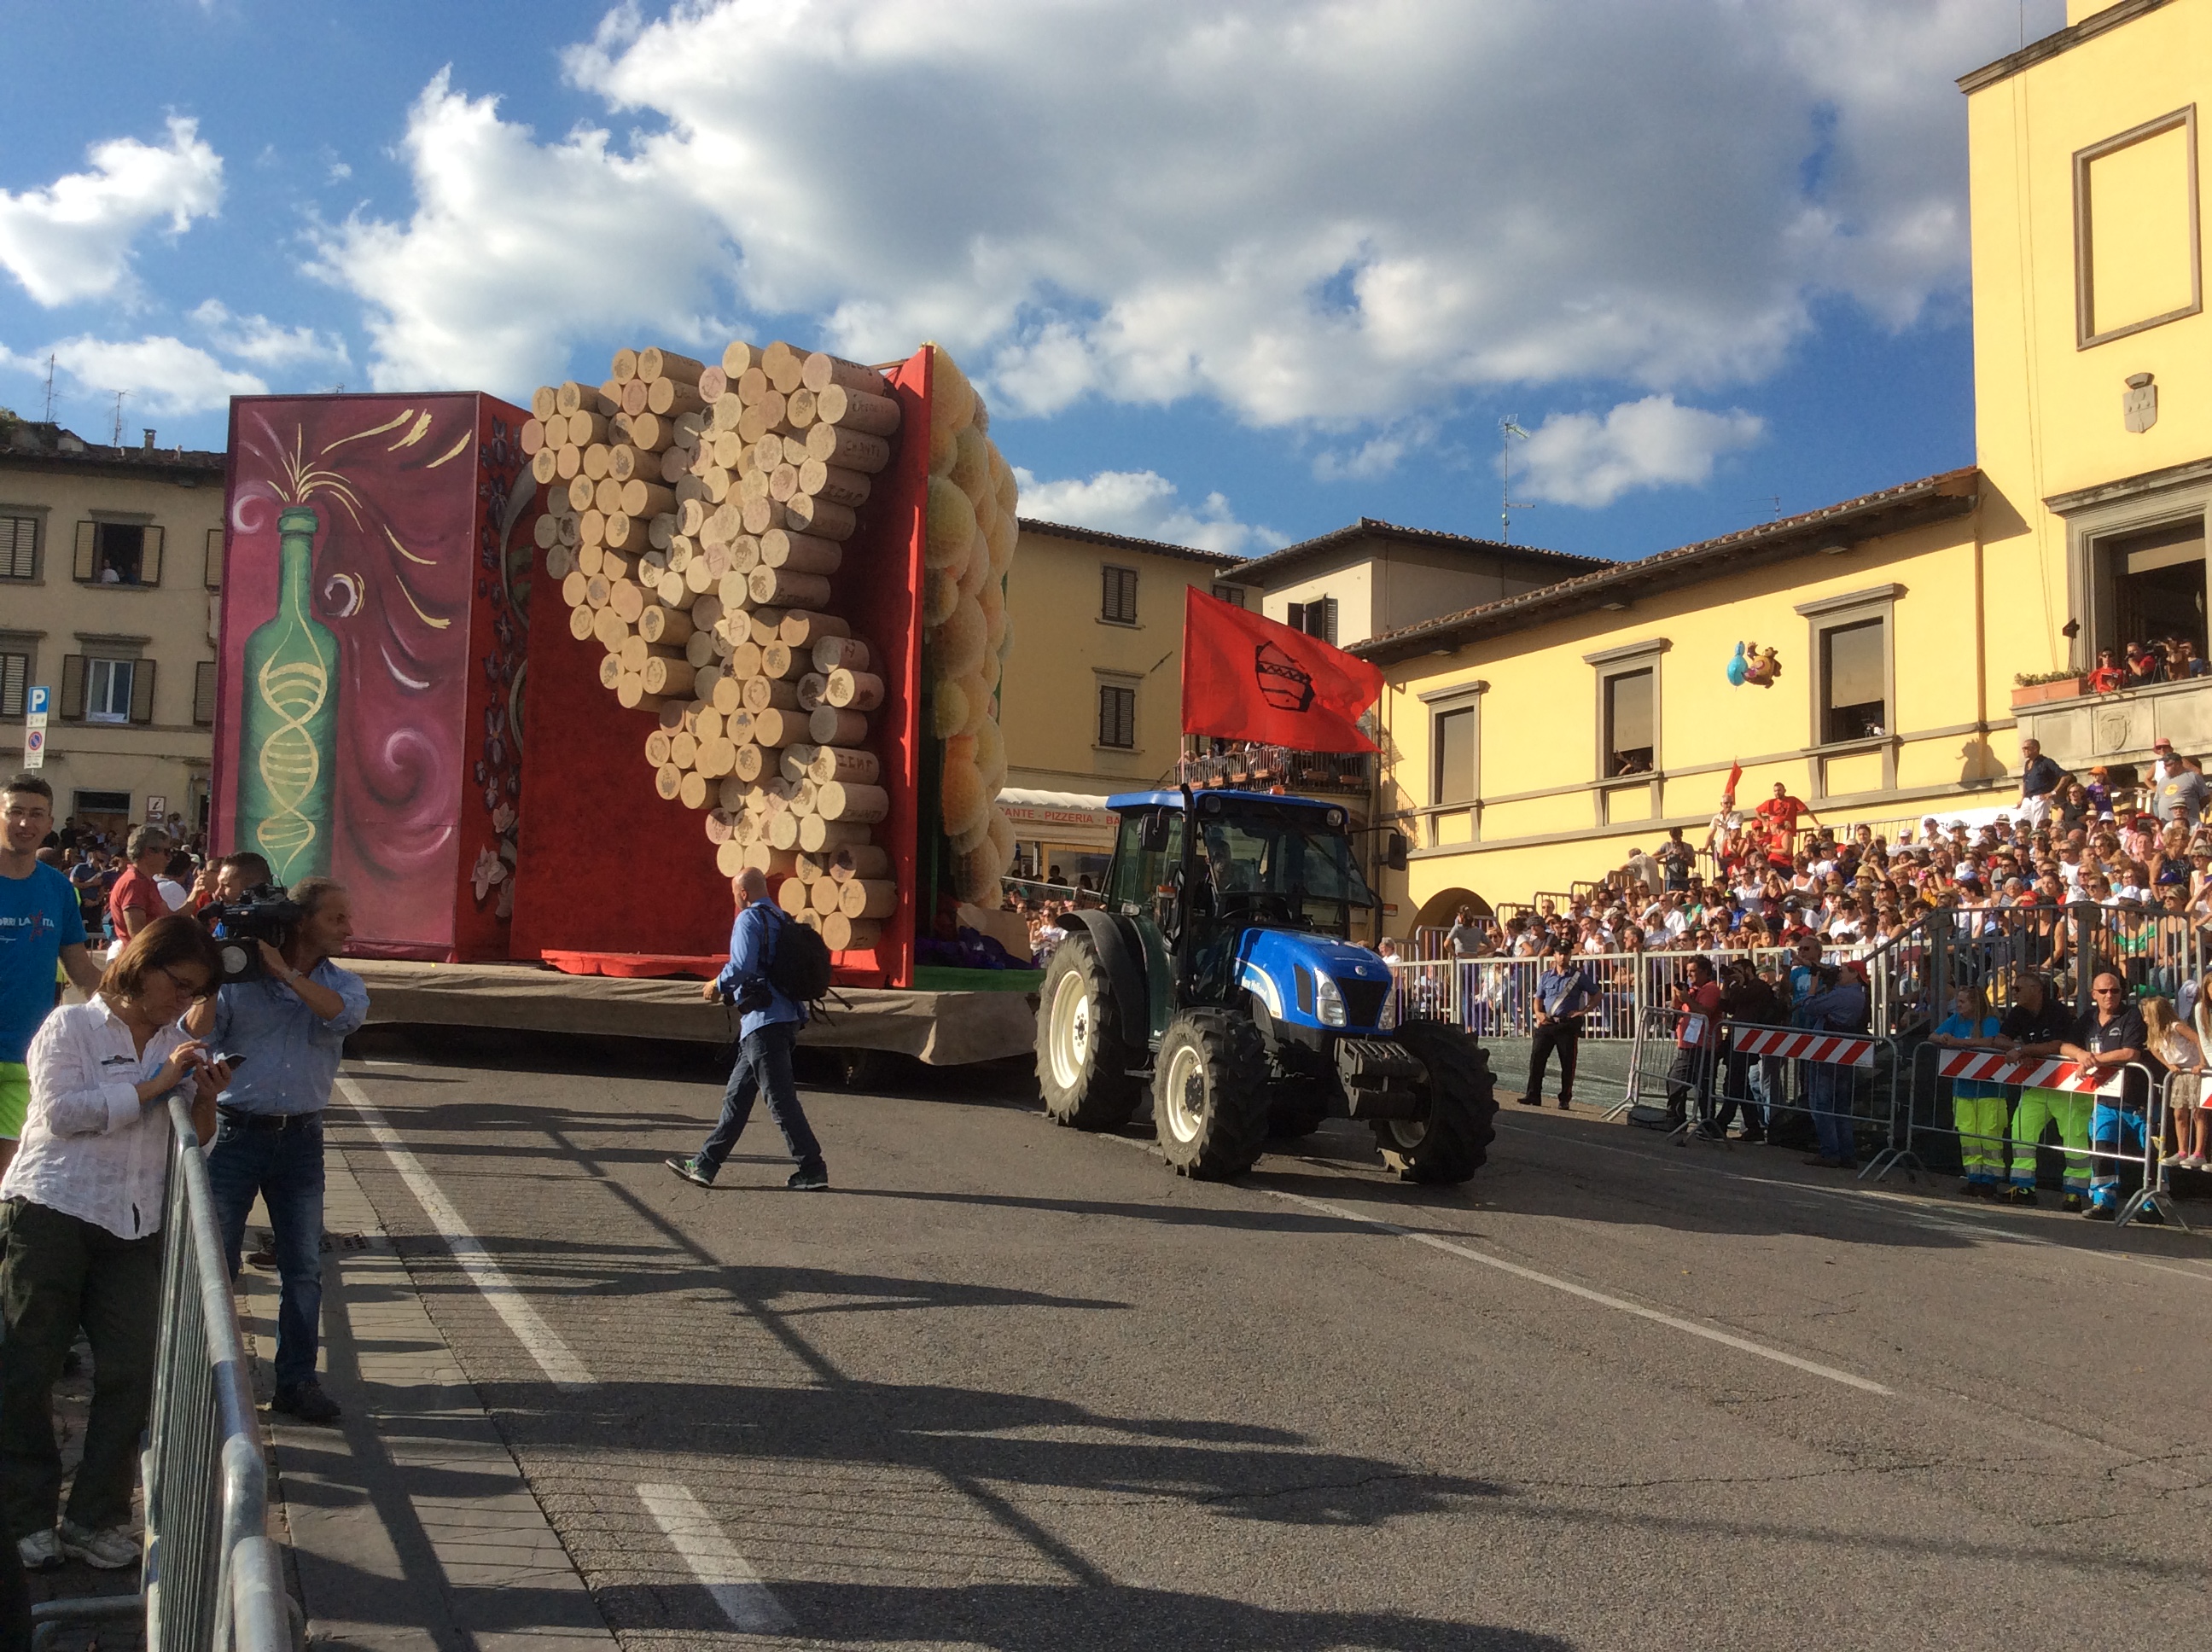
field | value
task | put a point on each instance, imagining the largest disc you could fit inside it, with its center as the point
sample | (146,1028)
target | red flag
(1736,774)
(1249,679)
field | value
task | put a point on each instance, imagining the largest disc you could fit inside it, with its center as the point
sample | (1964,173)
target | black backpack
(798,967)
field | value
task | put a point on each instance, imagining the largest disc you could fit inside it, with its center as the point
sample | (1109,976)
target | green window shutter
(88,550)
(213,579)
(150,560)
(203,693)
(14,671)
(141,690)
(73,677)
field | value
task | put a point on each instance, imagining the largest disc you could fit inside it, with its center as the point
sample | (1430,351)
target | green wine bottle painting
(287,745)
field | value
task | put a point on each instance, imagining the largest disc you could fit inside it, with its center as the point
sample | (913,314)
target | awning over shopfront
(1069,818)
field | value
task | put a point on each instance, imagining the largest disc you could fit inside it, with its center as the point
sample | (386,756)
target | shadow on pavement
(1111,1618)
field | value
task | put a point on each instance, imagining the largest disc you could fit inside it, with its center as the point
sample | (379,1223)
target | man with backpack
(772,968)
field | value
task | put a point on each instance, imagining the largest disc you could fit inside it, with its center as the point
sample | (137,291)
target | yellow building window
(1631,735)
(1453,781)
(2150,587)
(1854,681)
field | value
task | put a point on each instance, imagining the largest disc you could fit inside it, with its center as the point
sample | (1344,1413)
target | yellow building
(1534,741)
(110,562)
(1093,701)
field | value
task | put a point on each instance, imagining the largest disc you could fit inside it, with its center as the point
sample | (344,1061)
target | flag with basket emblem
(1245,678)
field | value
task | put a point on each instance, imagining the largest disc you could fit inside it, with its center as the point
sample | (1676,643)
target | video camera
(266,913)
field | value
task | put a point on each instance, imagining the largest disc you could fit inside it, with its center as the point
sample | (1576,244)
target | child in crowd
(2174,1044)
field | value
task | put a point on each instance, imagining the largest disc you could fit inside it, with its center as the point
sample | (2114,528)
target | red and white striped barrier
(1830,1050)
(2037,1071)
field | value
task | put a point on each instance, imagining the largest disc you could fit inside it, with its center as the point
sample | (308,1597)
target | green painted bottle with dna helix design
(288,726)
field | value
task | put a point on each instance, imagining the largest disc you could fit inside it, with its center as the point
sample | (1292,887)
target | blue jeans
(763,1067)
(1831,1090)
(285,1168)
(2111,1130)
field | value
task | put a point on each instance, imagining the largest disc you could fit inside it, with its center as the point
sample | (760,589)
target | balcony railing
(1267,769)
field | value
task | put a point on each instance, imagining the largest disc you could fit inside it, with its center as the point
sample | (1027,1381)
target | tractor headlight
(1386,1019)
(1328,1003)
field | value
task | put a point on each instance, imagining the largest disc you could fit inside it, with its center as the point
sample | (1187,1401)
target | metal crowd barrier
(1935,1064)
(1495,997)
(211,1579)
(1759,1071)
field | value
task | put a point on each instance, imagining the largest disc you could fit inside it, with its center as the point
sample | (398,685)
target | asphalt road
(1008,1386)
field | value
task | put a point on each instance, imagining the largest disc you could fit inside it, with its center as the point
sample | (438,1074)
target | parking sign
(36,704)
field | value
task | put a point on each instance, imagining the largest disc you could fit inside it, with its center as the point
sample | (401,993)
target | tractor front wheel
(1082,1066)
(1209,1095)
(1450,1144)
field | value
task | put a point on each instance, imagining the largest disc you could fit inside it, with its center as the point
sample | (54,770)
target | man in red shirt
(136,901)
(1696,1039)
(1778,816)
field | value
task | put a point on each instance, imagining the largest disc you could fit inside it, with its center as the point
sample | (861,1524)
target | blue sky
(1230,274)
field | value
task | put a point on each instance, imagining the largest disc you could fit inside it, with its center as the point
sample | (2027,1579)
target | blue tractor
(1220,978)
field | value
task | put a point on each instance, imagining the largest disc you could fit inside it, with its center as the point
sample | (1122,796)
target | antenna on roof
(118,439)
(1508,428)
(49,390)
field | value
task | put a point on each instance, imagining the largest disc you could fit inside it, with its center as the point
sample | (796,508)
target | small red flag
(1245,678)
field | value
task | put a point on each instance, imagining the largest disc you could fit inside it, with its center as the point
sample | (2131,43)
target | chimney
(149,441)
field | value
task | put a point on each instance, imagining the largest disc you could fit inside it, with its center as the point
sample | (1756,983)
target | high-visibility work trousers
(2070,1113)
(1980,1123)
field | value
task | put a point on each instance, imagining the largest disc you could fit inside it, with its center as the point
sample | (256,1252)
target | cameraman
(288,1027)
(230,879)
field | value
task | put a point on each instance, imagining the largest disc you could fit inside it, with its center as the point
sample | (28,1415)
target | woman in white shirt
(85,1197)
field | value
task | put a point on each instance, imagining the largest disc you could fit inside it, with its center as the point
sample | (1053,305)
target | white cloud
(256,339)
(1145,505)
(1377,457)
(516,247)
(1305,210)
(1578,458)
(159,374)
(72,239)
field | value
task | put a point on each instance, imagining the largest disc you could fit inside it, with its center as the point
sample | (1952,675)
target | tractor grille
(1363,999)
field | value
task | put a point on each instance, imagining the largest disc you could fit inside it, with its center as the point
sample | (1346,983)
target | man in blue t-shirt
(40,926)
(765,1038)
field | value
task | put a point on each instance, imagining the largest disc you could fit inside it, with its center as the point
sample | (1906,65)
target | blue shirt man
(41,926)
(287,1030)
(753,946)
(295,1052)
(766,1035)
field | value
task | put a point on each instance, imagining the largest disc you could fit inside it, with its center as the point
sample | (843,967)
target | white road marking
(715,1560)
(1992,1224)
(1728,1340)
(555,1357)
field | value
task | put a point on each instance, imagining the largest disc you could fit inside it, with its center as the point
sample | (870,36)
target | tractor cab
(1221,968)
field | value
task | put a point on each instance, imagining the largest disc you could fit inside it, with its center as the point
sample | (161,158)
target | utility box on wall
(375,622)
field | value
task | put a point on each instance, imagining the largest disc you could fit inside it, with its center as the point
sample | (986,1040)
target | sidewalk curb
(408,1525)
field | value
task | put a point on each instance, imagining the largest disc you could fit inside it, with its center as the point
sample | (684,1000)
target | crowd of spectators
(2161,659)
(2141,852)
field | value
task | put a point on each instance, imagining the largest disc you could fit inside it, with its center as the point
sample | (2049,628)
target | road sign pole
(34,727)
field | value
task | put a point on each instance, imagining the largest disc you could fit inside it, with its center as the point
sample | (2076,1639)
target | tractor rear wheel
(1209,1095)
(1082,1063)
(1450,1145)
